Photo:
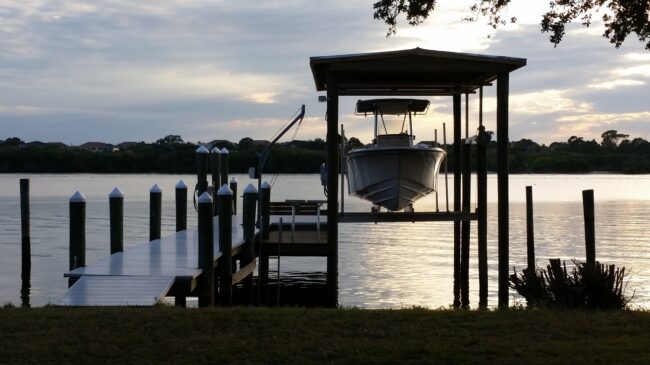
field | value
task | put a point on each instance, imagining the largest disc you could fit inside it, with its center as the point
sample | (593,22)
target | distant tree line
(170,154)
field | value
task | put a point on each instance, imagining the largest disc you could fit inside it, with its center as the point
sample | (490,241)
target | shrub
(593,287)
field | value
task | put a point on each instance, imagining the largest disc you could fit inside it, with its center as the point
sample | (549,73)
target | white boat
(392,172)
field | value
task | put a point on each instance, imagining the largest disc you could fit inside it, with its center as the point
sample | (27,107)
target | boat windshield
(392,124)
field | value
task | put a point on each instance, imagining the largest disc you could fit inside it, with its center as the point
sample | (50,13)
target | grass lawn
(321,336)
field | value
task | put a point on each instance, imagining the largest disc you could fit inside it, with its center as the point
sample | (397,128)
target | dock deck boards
(171,258)
(117,291)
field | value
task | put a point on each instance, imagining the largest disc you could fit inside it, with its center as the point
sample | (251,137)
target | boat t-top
(392,172)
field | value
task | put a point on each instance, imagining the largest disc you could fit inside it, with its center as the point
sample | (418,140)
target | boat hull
(395,177)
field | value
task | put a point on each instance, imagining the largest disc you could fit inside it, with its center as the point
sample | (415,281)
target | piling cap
(224,190)
(233,180)
(116,193)
(250,189)
(224,151)
(77,197)
(216,150)
(181,185)
(202,149)
(266,185)
(155,189)
(205,198)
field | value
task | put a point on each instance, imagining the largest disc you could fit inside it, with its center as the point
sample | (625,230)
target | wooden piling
(206,251)
(215,168)
(181,206)
(26,249)
(225,244)
(233,187)
(116,213)
(503,146)
(155,212)
(224,167)
(202,155)
(465,226)
(77,252)
(590,226)
(265,202)
(530,232)
(481,209)
(249,204)
(457,197)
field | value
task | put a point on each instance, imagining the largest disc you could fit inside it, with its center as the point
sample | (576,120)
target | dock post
(590,226)
(224,195)
(202,155)
(265,200)
(465,226)
(233,187)
(530,233)
(77,233)
(181,206)
(155,212)
(215,167)
(457,198)
(26,249)
(248,223)
(116,213)
(206,251)
(223,167)
(481,187)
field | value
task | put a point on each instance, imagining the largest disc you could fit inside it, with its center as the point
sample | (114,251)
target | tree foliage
(620,17)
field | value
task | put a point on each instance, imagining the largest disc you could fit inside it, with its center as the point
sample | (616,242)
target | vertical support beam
(224,166)
(502,186)
(26,246)
(457,197)
(265,202)
(249,203)
(215,170)
(181,206)
(343,167)
(155,212)
(464,257)
(116,213)
(225,244)
(590,226)
(530,230)
(332,187)
(77,233)
(481,187)
(233,187)
(206,251)
(202,155)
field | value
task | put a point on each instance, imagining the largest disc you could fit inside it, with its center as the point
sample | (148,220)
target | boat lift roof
(414,71)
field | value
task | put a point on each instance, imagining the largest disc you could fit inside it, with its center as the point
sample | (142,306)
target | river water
(374,271)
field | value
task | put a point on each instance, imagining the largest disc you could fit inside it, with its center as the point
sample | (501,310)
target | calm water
(372,258)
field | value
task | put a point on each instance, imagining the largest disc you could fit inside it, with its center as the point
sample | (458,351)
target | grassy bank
(306,336)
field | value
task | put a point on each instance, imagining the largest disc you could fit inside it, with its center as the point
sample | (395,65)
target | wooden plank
(117,291)
(243,272)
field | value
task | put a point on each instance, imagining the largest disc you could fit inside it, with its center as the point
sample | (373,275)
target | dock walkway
(145,274)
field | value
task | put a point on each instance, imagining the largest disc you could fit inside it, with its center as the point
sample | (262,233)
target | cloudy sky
(118,70)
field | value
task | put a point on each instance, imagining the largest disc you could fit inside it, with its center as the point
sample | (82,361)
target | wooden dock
(146,273)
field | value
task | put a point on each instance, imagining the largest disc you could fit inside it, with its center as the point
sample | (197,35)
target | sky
(117,70)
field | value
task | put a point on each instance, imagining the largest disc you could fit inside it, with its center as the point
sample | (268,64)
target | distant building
(126,145)
(97,147)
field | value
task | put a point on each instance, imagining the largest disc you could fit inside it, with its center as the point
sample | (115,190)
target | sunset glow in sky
(117,70)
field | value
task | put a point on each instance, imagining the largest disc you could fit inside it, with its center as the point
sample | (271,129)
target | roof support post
(332,187)
(457,197)
(502,185)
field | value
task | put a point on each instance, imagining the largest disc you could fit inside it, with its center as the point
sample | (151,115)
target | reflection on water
(380,265)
